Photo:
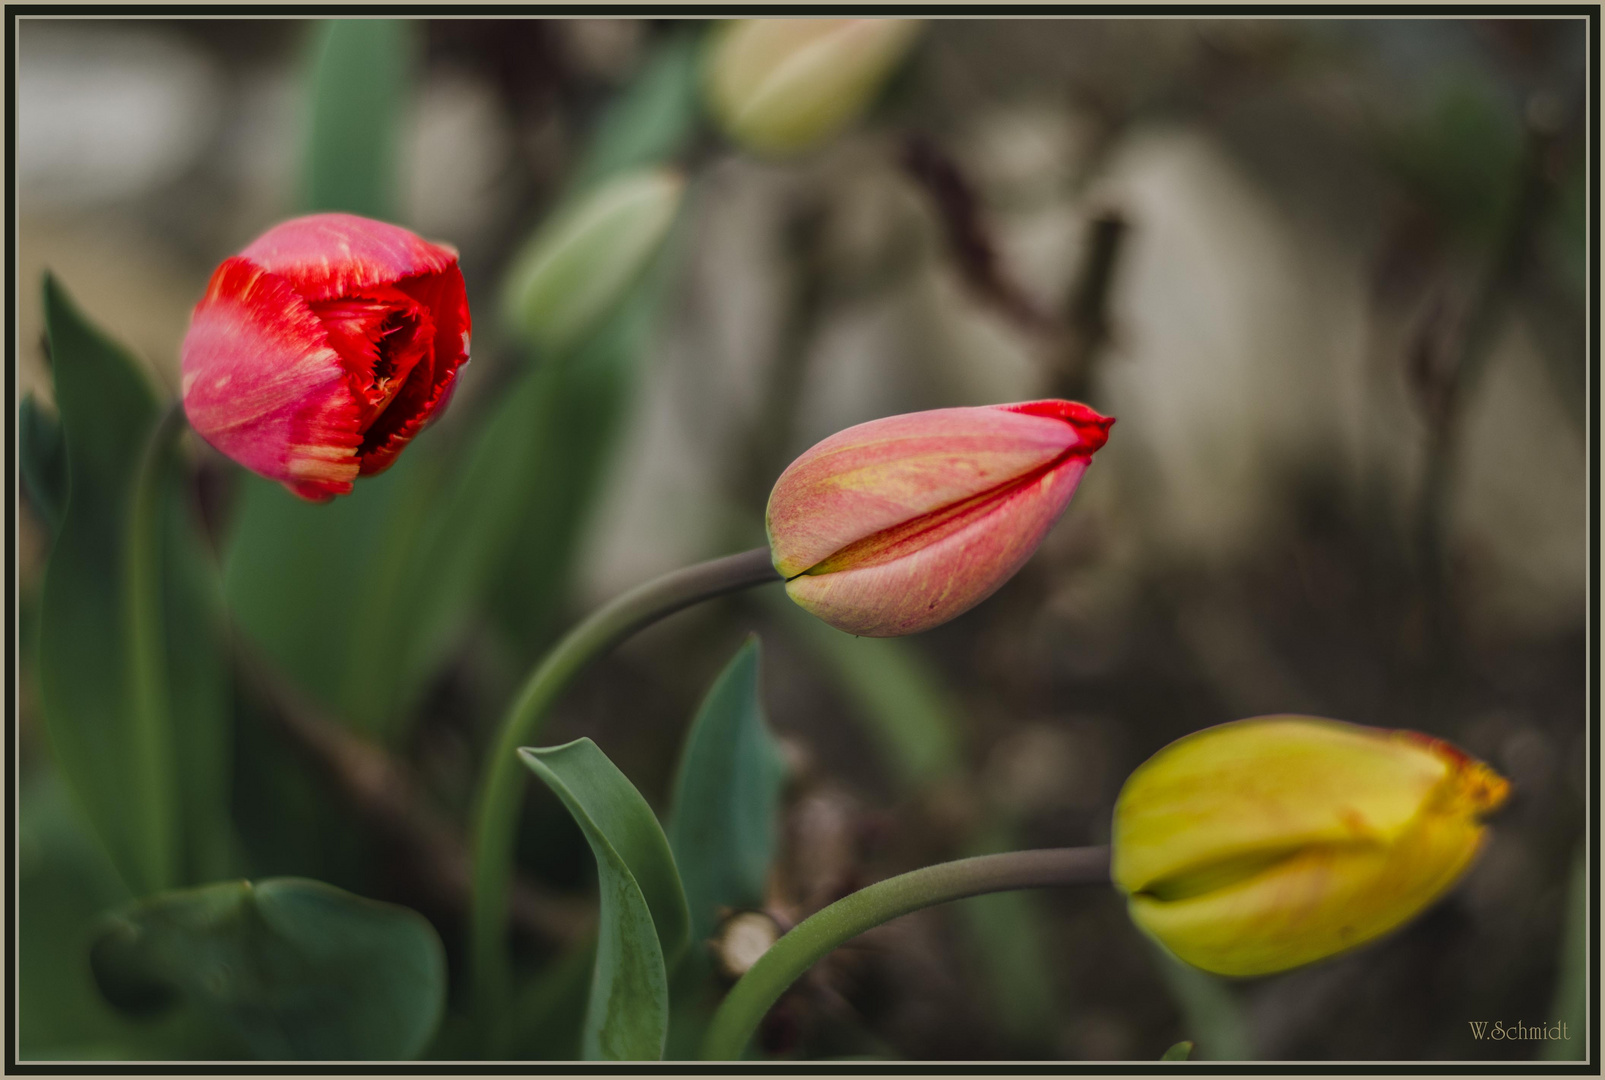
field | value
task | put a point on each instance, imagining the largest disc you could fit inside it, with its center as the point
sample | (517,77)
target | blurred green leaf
(1571,992)
(65,883)
(898,694)
(725,810)
(296,968)
(107,413)
(1462,154)
(1006,932)
(643,925)
(723,825)
(42,454)
(554,438)
(1209,1010)
(548,1013)
(651,121)
(358,83)
(1180,1052)
(327,590)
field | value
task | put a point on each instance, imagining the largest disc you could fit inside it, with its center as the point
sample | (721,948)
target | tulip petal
(1264,844)
(1320,900)
(919,582)
(420,401)
(325,256)
(1293,781)
(889,472)
(262,384)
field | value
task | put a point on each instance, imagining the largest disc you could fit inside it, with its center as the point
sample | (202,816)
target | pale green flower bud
(780,86)
(579,265)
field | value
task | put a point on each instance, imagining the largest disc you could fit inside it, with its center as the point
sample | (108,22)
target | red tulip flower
(900,524)
(320,350)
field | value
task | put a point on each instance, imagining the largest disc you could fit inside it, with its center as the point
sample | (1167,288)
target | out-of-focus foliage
(296,969)
(157,799)
(360,80)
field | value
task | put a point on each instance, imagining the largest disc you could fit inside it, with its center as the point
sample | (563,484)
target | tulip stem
(501,785)
(744,1007)
(147,655)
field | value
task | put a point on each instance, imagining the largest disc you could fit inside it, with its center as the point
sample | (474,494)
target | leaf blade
(295,968)
(643,924)
(726,799)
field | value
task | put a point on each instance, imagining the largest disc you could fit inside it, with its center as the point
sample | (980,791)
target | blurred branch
(959,209)
(1442,388)
(1087,323)
(1078,334)
(387,799)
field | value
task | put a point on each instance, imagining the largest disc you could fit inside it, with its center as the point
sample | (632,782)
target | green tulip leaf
(358,79)
(651,121)
(298,970)
(727,797)
(1209,1009)
(1180,1052)
(643,924)
(42,454)
(1570,1006)
(169,825)
(65,884)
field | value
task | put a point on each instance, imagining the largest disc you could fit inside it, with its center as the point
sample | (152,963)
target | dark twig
(959,209)
(1086,321)
(1076,335)
(387,799)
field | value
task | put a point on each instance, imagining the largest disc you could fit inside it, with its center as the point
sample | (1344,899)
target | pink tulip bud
(900,524)
(320,350)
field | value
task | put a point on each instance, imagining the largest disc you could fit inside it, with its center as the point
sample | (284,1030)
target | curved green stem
(744,1007)
(147,655)
(501,784)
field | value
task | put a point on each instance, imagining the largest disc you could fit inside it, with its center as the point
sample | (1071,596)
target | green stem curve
(502,782)
(147,654)
(744,1007)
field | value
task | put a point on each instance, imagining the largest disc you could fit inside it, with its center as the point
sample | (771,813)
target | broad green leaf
(1209,1010)
(1180,1052)
(42,460)
(65,884)
(652,120)
(898,696)
(324,589)
(297,969)
(107,414)
(358,80)
(558,429)
(643,924)
(1570,1006)
(726,803)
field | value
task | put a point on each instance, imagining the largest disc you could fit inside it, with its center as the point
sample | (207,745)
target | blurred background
(1328,274)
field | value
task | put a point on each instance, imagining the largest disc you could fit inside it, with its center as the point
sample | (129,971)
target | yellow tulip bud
(779,86)
(1264,844)
(580,263)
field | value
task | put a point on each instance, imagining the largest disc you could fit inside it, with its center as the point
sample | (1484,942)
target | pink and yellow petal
(926,579)
(262,384)
(884,473)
